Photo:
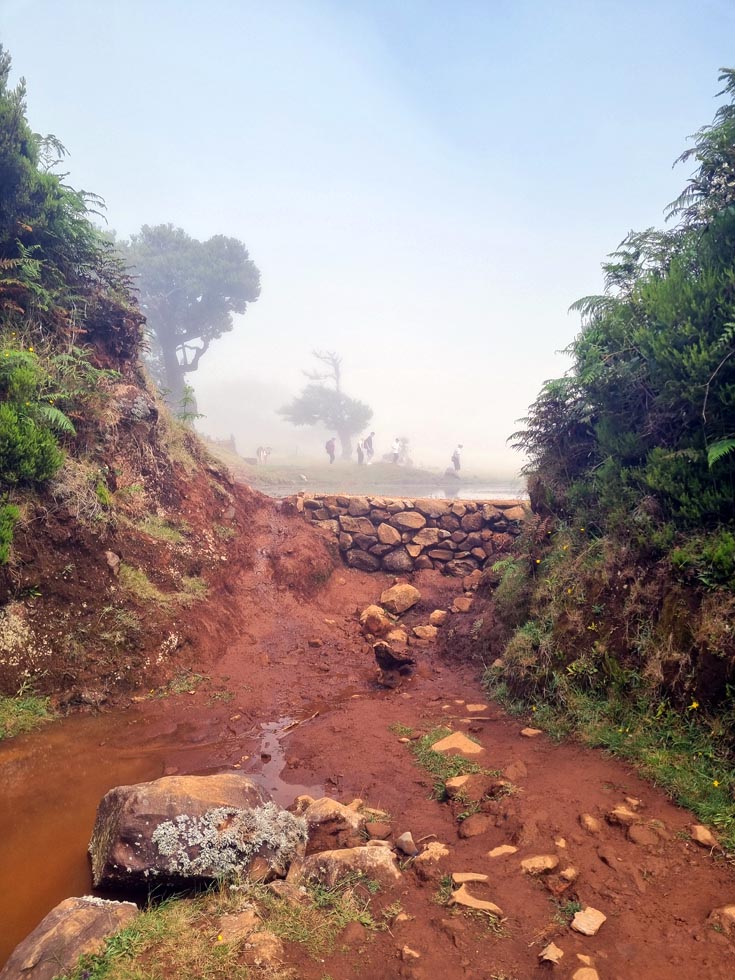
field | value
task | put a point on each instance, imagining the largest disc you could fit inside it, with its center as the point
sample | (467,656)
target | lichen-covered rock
(181,828)
(75,927)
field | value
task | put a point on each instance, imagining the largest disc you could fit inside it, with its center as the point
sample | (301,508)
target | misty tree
(323,402)
(189,291)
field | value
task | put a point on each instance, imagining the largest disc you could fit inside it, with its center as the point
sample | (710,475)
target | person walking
(456,457)
(368,447)
(360,452)
(395,450)
(329,445)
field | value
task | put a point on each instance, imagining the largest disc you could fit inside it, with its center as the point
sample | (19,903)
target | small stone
(265,948)
(397,637)
(379,843)
(461,604)
(438,617)
(434,851)
(457,742)
(502,850)
(551,954)
(233,928)
(465,877)
(569,874)
(454,785)
(623,815)
(463,897)
(377,830)
(315,644)
(405,844)
(474,825)
(531,732)
(588,921)
(373,619)
(474,708)
(425,632)
(541,864)
(399,598)
(560,842)
(404,741)
(586,973)
(584,959)
(643,836)
(633,802)
(591,824)
(724,918)
(703,836)
(409,954)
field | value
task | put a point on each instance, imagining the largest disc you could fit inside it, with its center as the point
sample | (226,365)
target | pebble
(502,850)
(457,742)
(405,843)
(703,836)
(551,954)
(588,921)
(531,732)
(463,897)
(465,877)
(540,864)
(591,824)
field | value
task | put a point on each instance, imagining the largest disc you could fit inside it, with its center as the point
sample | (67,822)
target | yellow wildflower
(693,706)
(715,782)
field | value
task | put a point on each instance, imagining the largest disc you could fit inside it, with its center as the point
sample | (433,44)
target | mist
(424,188)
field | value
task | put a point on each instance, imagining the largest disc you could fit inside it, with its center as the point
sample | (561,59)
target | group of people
(366,451)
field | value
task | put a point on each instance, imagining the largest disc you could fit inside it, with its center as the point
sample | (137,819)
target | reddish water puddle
(53,781)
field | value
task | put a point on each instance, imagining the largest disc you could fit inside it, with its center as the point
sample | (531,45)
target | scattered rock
(474,825)
(502,850)
(425,632)
(74,927)
(643,836)
(238,926)
(392,660)
(457,742)
(471,581)
(330,866)
(327,810)
(586,973)
(398,636)
(531,732)
(405,844)
(361,560)
(569,874)
(399,598)
(462,604)
(264,949)
(591,824)
(633,802)
(475,708)
(703,836)
(316,643)
(374,620)
(409,954)
(551,954)
(378,830)
(438,617)
(516,770)
(723,918)
(623,816)
(466,877)
(588,921)
(541,864)
(434,851)
(113,561)
(462,897)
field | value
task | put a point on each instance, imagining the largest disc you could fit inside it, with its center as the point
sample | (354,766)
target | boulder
(425,632)
(362,560)
(409,519)
(427,537)
(472,522)
(515,514)
(438,617)
(433,508)
(398,561)
(191,828)
(329,867)
(461,567)
(399,598)
(327,810)
(365,541)
(358,507)
(74,927)
(356,525)
(328,525)
(388,535)
(373,619)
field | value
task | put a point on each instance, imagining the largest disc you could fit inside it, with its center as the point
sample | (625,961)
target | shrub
(8,516)
(28,453)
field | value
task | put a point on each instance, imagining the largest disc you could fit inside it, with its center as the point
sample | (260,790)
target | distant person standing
(360,452)
(329,445)
(456,457)
(368,447)
(395,450)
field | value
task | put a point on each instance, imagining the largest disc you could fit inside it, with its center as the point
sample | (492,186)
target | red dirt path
(252,640)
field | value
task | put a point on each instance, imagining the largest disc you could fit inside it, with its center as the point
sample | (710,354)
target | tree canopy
(189,291)
(327,405)
(645,420)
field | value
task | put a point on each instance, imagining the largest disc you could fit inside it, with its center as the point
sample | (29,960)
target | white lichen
(224,840)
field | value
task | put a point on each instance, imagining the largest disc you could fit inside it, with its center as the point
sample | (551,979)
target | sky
(425,187)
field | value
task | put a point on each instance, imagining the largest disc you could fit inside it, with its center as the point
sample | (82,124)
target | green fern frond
(54,418)
(718,449)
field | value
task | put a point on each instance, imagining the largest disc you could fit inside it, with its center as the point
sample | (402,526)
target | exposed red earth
(279,642)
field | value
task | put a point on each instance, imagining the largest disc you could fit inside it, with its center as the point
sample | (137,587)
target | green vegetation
(162,529)
(615,616)
(441,767)
(182,937)
(22,713)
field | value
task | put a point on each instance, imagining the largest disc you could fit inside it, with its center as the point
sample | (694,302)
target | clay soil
(279,641)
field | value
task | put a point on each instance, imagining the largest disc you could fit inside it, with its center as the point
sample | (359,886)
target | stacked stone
(400,535)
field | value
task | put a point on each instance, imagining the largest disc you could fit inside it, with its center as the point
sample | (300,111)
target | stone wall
(401,535)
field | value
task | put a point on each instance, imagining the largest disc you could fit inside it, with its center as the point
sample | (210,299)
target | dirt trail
(274,655)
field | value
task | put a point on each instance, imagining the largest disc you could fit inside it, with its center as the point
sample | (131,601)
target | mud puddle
(271,764)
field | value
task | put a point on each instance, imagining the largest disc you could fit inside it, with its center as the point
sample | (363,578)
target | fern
(54,418)
(718,449)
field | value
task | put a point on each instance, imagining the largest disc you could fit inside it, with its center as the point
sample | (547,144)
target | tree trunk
(174,378)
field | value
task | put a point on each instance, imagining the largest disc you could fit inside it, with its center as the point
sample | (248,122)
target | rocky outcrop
(191,828)
(399,535)
(75,927)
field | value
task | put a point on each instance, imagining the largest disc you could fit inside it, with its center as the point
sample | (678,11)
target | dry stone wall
(402,535)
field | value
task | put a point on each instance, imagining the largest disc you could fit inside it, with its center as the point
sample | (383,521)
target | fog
(425,187)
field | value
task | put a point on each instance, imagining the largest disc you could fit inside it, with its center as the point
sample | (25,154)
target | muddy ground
(271,654)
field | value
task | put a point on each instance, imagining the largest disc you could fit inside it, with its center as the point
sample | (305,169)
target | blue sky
(425,186)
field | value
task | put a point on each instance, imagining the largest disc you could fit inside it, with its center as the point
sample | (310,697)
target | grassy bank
(23,713)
